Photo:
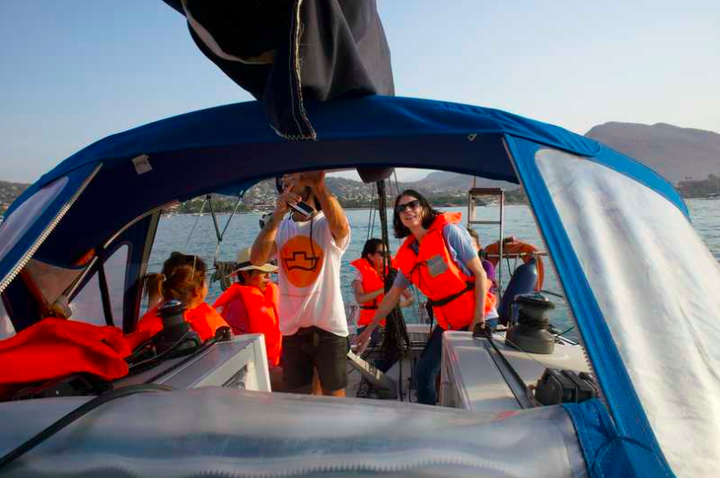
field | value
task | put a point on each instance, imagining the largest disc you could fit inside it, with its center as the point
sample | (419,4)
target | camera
(301,207)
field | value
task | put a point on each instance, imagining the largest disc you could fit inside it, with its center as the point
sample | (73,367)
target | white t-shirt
(309,281)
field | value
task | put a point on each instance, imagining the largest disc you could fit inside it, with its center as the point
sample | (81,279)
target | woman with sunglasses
(438,258)
(369,287)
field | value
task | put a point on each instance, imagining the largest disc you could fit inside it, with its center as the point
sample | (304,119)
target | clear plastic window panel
(14,226)
(657,286)
(87,304)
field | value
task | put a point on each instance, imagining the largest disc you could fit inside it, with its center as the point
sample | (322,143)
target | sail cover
(285,52)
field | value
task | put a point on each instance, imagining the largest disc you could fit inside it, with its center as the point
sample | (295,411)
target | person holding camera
(308,244)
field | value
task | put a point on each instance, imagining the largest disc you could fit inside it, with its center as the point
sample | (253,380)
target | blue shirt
(459,245)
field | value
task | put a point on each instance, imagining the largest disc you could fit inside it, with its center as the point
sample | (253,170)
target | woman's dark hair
(241,277)
(371,245)
(429,213)
(473,233)
(182,275)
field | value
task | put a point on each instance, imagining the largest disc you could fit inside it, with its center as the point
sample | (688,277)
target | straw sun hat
(244,264)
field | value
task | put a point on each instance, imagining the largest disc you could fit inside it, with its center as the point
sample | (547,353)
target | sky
(76,71)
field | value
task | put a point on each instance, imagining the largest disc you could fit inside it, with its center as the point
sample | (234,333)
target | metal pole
(502,240)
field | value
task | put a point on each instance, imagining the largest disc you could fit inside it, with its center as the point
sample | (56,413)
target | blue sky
(74,72)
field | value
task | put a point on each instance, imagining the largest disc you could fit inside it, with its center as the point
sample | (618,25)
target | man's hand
(312,179)
(285,198)
(481,330)
(361,341)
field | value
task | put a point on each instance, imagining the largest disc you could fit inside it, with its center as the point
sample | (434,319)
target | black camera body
(302,208)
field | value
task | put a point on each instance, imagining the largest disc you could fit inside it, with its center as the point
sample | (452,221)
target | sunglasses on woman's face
(381,253)
(414,204)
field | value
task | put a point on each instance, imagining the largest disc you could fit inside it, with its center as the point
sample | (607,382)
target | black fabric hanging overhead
(285,52)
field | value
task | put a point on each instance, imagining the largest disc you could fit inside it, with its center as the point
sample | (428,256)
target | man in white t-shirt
(312,313)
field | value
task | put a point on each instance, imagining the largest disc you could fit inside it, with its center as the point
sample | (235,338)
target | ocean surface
(196,235)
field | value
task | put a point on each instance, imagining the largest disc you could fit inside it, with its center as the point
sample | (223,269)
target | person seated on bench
(183,278)
(250,305)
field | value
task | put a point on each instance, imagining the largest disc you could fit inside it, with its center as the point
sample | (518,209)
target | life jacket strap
(446,300)
(368,307)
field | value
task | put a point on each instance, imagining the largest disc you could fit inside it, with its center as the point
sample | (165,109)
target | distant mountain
(676,153)
(446,181)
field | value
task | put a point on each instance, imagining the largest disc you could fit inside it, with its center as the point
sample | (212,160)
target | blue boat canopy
(230,148)
(596,208)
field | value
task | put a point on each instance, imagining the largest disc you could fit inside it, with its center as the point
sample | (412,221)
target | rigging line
(370,213)
(375,209)
(192,230)
(526,388)
(237,206)
(397,183)
(214,218)
(221,235)
(524,351)
(565,331)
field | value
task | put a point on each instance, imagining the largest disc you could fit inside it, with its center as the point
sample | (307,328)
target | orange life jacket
(54,348)
(263,317)
(232,309)
(450,291)
(371,281)
(203,319)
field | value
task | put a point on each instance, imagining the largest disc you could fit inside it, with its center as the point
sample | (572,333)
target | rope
(202,208)
(371,214)
(223,274)
(397,183)
(396,334)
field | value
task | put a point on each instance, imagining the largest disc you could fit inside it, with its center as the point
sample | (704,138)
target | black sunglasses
(414,204)
(381,252)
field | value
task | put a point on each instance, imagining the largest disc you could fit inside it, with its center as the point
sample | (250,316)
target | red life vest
(263,317)
(54,348)
(233,310)
(203,319)
(371,281)
(432,270)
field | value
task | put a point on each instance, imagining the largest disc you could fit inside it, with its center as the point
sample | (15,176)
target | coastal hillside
(676,153)
(8,193)
(445,181)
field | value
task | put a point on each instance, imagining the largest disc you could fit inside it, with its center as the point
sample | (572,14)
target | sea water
(196,235)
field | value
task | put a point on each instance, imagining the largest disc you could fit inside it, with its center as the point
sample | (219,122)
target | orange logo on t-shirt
(301,259)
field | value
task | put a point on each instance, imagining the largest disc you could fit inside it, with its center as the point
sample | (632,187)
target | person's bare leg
(316,388)
(334,393)
(276,381)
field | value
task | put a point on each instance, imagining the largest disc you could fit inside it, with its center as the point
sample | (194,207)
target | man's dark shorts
(314,347)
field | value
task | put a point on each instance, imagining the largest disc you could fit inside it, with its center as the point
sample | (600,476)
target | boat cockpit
(78,243)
